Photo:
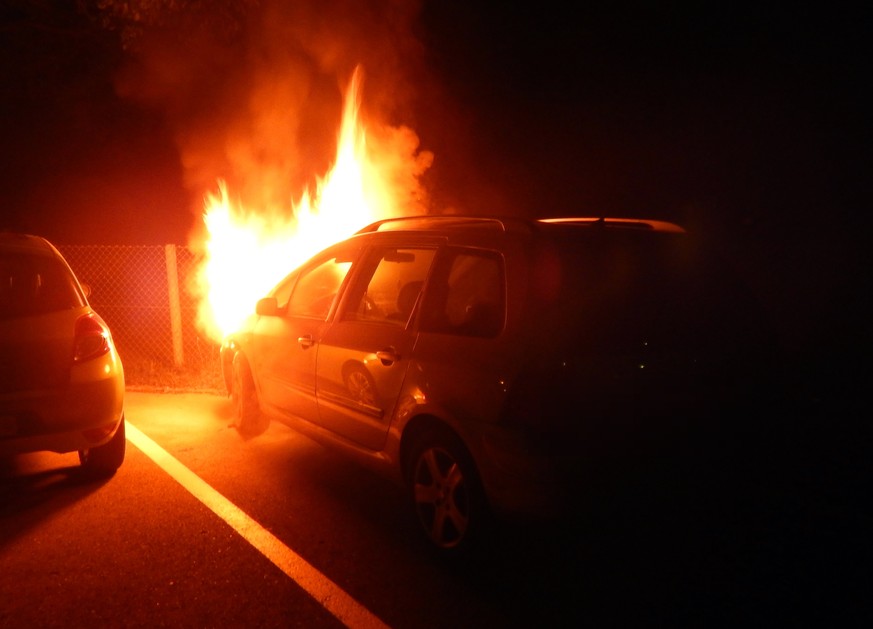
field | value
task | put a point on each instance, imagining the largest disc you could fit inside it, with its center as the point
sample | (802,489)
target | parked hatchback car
(61,379)
(497,366)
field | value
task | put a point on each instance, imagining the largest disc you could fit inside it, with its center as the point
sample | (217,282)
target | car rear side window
(466,295)
(34,285)
(619,292)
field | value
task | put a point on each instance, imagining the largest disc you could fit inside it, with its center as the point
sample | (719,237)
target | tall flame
(246,253)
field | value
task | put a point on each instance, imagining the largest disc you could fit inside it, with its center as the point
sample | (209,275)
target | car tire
(103,461)
(446,492)
(247,413)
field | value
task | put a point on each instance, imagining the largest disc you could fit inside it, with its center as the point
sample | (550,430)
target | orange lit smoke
(248,250)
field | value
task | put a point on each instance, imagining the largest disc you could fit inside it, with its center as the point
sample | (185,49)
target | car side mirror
(267,307)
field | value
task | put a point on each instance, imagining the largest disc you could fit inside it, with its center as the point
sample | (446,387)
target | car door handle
(388,356)
(305,341)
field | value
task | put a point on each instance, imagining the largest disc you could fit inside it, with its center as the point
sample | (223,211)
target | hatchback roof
(14,241)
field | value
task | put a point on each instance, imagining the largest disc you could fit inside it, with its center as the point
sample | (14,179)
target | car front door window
(316,289)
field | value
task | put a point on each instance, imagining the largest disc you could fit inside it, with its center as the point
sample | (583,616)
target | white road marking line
(326,592)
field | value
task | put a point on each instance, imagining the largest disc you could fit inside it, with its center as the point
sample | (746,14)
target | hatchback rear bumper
(79,417)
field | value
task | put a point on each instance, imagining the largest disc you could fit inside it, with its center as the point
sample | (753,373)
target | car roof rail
(416,223)
(621,223)
(505,224)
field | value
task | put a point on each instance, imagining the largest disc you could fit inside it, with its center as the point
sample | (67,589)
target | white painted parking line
(326,592)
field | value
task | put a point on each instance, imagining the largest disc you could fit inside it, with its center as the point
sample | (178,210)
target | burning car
(61,378)
(494,366)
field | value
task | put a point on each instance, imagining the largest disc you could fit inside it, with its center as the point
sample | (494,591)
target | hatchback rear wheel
(102,461)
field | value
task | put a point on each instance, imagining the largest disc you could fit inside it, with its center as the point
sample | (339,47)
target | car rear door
(364,355)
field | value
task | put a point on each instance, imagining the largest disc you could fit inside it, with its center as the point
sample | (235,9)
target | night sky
(745,122)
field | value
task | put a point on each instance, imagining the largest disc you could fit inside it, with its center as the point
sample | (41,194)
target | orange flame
(246,254)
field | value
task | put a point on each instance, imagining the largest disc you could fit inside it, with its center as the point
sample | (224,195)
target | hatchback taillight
(92,338)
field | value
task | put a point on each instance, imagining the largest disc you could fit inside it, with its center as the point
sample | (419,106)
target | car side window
(317,287)
(282,291)
(466,295)
(391,281)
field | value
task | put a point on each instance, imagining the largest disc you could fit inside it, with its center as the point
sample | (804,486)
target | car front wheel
(247,413)
(446,493)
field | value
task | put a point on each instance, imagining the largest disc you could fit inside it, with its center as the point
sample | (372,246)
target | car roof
(513,224)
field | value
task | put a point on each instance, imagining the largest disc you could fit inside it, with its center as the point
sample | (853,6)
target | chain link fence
(144,295)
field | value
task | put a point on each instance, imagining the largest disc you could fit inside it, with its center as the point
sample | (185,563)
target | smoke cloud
(255,97)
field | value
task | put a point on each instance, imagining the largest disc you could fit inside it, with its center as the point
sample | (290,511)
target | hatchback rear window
(32,285)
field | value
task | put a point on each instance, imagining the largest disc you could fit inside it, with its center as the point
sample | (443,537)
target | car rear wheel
(247,413)
(446,493)
(103,461)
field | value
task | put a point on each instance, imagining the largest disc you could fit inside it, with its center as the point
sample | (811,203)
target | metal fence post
(175,308)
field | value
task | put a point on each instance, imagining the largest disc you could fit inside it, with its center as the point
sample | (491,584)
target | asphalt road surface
(201,528)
